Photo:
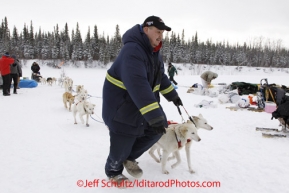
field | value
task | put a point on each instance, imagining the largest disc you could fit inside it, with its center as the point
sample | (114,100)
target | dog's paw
(192,171)
(87,125)
(165,172)
(174,165)
(75,123)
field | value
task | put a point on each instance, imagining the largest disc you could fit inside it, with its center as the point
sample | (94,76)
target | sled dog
(42,80)
(177,136)
(54,80)
(83,108)
(68,98)
(68,83)
(79,88)
(49,81)
(82,95)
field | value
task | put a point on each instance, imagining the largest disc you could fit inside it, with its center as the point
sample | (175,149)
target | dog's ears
(184,131)
(195,118)
(182,128)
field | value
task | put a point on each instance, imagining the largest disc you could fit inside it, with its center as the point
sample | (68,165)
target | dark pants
(172,79)
(14,77)
(6,83)
(124,147)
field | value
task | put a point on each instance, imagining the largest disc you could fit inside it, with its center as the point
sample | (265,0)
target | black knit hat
(7,54)
(157,22)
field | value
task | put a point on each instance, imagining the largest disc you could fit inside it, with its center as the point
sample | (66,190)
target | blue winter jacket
(132,86)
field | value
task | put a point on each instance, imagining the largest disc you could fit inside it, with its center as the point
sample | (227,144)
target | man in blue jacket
(131,108)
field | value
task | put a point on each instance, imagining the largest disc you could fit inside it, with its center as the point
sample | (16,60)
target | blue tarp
(27,83)
(175,86)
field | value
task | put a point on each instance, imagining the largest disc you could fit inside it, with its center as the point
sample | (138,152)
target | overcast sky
(218,20)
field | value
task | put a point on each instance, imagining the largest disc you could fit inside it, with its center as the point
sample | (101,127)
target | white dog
(68,83)
(42,80)
(54,80)
(177,136)
(83,108)
(79,88)
(82,95)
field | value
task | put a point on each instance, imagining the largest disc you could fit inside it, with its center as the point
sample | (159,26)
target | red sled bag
(171,122)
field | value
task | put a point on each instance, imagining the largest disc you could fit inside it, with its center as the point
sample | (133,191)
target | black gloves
(159,128)
(14,64)
(178,102)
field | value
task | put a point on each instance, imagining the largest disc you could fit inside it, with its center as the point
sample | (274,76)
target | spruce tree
(95,44)
(78,45)
(116,44)
(14,42)
(87,47)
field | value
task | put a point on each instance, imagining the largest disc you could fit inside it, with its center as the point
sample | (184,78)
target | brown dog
(68,98)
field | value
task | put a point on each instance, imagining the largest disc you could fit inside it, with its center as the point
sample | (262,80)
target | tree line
(63,45)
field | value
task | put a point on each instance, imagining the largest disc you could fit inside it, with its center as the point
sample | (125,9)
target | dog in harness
(83,108)
(177,136)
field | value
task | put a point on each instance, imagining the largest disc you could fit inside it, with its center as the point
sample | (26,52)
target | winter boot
(119,181)
(132,168)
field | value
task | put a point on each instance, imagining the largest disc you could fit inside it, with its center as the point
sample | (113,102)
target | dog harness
(179,141)
(77,103)
(83,106)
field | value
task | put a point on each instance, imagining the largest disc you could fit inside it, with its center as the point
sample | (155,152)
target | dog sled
(272,132)
(244,88)
(36,76)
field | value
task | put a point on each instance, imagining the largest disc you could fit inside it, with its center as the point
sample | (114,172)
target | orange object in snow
(251,100)
(171,122)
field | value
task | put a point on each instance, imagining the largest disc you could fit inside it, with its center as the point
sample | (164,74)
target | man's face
(154,34)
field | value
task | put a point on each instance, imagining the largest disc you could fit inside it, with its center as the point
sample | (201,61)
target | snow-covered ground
(41,150)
